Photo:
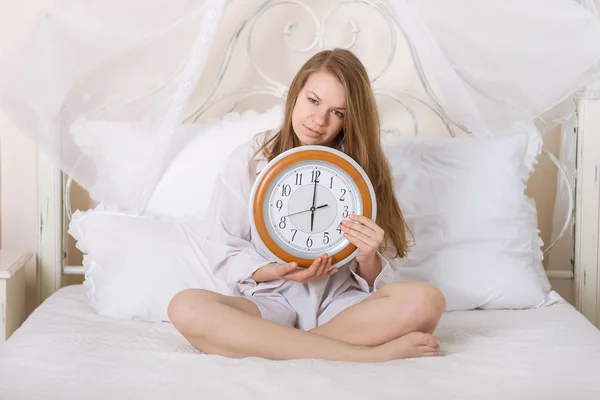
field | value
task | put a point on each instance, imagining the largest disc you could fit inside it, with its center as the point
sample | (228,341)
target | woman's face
(318,115)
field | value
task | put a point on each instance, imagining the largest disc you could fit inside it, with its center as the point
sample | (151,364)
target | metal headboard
(320,42)
(271,87)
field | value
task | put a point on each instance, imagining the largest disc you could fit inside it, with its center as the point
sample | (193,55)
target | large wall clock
(299,200)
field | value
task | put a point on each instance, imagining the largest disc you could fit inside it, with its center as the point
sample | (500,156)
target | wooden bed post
(587,205)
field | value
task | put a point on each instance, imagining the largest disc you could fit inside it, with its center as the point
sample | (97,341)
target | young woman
(353,313)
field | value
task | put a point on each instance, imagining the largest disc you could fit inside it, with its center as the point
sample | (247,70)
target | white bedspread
(65,351)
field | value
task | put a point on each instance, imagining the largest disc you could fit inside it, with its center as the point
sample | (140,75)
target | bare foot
(411,345)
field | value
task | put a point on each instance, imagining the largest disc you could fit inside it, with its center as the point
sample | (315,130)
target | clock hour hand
(312,215)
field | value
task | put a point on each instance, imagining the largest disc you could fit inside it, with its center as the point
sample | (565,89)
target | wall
(18,183)
(18,155)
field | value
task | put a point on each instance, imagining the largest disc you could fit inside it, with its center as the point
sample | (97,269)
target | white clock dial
(299,200)
(310,227)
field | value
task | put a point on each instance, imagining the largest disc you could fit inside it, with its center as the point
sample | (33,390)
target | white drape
(85,66)
(560,256)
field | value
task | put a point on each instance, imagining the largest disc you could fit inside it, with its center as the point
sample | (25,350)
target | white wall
(18,184)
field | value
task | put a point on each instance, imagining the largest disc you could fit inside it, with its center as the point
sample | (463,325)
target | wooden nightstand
(12,291)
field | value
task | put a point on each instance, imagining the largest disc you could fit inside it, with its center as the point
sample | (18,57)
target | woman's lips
(312,132)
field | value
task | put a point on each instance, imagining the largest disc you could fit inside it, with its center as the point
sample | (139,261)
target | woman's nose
(319,118)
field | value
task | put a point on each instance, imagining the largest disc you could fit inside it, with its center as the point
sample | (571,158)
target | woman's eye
(312,100)
(337,113)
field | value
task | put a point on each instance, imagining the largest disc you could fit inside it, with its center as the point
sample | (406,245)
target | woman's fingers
(329,260)
(363,230)
(281,270)
(325,264)
(318,269)
(369,223)
(362,246)
(369,241)
(309,273)
(316,266)
(363,233)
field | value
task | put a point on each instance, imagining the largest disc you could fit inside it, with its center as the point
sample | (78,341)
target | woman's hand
(290,271)
(318,269)
(366,235)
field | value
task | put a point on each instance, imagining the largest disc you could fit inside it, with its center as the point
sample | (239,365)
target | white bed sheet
(66,351)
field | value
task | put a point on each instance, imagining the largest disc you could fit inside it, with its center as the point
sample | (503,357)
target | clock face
(306,205)
(299,200)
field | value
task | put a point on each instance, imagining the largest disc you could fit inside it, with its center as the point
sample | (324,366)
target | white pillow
(121,151)
(134,265)
(475,231)
(463,198)
(186,187)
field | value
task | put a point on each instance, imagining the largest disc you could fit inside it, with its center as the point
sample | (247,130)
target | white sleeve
(228,248)
(387,274)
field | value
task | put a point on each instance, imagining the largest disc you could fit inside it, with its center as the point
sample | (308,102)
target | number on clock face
(308,204)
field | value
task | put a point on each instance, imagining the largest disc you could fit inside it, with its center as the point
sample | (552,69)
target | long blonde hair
(360,135)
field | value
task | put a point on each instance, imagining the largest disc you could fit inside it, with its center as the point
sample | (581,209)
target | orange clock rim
(285,162)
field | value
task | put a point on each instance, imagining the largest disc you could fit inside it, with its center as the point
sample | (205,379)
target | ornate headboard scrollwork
(322,40)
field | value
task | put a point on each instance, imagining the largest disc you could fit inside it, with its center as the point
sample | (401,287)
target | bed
(550,353)
(78,343)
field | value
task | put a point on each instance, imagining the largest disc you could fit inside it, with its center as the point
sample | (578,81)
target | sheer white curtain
(560,256)
(102,85)
(495,61)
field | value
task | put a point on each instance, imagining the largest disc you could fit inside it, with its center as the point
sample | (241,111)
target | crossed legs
(391,312)
(395,322)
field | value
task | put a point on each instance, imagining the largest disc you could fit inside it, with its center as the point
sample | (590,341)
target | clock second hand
(300,212)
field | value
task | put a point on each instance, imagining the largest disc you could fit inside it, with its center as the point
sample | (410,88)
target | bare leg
(392,312)
(232,327)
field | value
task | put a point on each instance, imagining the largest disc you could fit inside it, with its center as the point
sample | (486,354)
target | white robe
(235,255)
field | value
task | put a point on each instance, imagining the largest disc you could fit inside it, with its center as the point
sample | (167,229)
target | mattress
(66,351)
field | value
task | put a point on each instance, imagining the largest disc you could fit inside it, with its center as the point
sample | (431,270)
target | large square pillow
(186,187)
(475,231)
(121,151)
(134,265)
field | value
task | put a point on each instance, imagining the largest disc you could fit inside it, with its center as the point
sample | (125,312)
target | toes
(411,345)
(426,339)
(429,346)
(431,341)
(433,348)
